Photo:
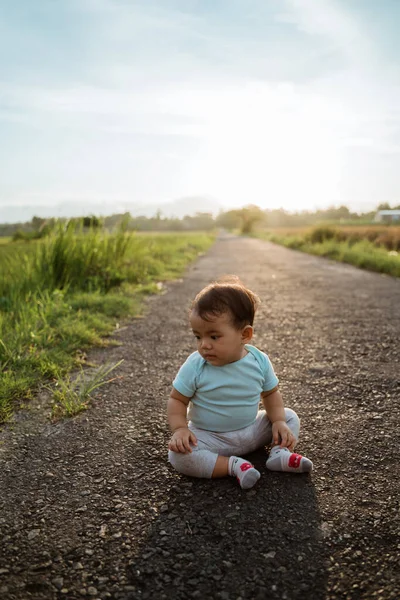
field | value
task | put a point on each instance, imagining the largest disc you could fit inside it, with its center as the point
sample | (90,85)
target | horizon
(290,104)
(148,213)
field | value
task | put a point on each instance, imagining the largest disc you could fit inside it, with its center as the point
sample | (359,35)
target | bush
(318,235)
(27,236)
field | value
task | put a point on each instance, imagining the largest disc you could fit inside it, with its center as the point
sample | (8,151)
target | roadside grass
(354,250)
(72,396)
(386,236)
(61,295)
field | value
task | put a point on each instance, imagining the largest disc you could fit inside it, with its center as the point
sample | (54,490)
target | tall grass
(62,294)
(67,259)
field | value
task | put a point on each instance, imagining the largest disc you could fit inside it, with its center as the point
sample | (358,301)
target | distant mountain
(178,208)
(189,205)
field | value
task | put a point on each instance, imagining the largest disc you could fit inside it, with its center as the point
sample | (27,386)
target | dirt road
(90,507)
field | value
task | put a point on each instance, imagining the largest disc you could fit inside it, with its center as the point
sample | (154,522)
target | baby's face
(218,341)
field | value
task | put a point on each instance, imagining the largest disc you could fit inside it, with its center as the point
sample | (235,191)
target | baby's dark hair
(227,295)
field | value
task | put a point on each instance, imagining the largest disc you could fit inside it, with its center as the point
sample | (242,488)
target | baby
(222,384)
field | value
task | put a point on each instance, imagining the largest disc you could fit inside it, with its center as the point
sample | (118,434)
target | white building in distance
(387,216)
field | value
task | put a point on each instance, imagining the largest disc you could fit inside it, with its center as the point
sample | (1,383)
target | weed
(71,397)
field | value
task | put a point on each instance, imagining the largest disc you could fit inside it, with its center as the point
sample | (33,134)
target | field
(375,248)
(65,293)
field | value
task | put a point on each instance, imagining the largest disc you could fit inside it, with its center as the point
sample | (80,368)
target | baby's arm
(181,434)
(273,404)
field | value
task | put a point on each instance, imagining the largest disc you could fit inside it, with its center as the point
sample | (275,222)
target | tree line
(245,219)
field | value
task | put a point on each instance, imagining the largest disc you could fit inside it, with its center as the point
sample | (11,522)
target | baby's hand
(181,439)
(282,435)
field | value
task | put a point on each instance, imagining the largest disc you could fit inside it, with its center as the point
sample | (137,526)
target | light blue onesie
(225,398)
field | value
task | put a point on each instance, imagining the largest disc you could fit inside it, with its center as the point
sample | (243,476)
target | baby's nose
(205,344)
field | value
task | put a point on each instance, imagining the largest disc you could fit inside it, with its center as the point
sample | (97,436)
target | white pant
(201,461)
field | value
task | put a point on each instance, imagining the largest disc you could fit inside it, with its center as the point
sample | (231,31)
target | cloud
(115,111)
(327,20)
(261,99)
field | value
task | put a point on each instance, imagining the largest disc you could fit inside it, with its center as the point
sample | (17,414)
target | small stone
(33,533)
(41,566)
(282,569)
(4,571)
(92,591)
(58,582)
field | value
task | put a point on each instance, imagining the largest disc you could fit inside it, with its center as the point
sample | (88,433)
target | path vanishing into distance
(90,508)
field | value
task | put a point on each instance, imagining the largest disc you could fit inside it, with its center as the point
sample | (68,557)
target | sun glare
(272,147)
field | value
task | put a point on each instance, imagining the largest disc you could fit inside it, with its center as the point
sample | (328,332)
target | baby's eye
(214,337)
(197,337)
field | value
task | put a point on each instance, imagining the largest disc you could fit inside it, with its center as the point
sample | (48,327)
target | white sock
(281,459)
(244,471)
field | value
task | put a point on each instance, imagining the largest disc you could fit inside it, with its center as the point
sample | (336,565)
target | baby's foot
(281,459)
(244,471)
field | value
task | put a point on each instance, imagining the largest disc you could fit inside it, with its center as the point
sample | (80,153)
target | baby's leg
(260,432)
(198,463)
(282,459)
(214,457)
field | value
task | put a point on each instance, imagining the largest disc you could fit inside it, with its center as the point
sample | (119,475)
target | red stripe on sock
(246,466)
(294,460)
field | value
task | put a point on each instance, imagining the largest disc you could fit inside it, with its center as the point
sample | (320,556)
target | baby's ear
(247,334)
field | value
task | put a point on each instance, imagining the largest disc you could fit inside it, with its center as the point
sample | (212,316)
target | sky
(279,103)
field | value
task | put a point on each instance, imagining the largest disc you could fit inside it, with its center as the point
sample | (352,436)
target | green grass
(363,253)
(72,396)
(61,295)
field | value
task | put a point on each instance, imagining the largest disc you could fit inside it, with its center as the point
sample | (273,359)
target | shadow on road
(213,540)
